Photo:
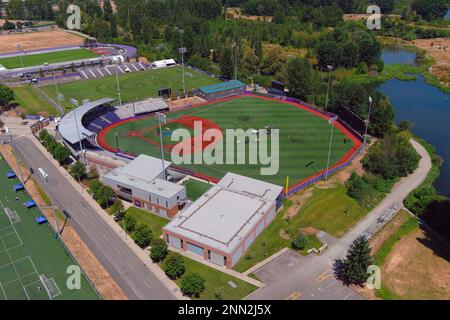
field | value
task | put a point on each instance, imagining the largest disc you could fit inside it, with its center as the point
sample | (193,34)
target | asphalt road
(136,280)
(315,279)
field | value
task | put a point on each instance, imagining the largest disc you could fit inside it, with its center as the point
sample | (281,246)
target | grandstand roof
(68,126)
(229,85)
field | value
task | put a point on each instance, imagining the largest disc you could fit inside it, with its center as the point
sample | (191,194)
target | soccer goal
(50,286)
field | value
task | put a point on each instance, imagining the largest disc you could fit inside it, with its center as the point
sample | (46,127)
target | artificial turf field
(37,59)
(304,137)
(134,86)
(29,250)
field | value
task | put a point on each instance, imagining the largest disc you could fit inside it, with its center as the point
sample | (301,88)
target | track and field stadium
(304,136)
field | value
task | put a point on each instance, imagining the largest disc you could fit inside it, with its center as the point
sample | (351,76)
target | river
(427,107)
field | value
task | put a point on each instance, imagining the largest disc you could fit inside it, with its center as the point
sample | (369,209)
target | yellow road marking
(323,276)
(294,296)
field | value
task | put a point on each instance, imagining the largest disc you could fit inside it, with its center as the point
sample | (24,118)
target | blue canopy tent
(41,219)
(19,187)
(30,204)
(11,175)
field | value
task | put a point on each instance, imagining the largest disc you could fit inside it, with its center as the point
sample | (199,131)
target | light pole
(76,104)
(331,122)
(367,123)
(118,85)
(21,61)
(330,68)
(212,54)
(235,59)
(162,119)
(183,81)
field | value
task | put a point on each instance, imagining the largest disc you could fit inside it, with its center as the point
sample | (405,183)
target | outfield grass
(216,281)
(32,102)
(30,60)
(39,247)
(195,188)
(330,210)
(154,222)
(304,137)
(134,86)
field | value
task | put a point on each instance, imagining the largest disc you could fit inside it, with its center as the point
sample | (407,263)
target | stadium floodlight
(182,51)
(118,84)
(330,68)
(367,123)
(162,119)
(19,48)
(331,122)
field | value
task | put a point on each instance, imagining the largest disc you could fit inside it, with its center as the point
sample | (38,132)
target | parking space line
(294,296)
(93,74)
(348,296)
(83,74)
(107,71)
(120,69)
(323,276)
(331,284)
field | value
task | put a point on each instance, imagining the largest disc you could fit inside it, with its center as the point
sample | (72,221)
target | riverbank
(435,73)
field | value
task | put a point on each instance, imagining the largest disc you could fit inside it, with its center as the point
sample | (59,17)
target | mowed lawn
(134,86)
(30,60)
(216,282)
(154,222)
(304,137)
(195,189)
(31,102)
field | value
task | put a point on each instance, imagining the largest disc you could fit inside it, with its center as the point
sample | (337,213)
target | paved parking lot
(316,277)
(109,70)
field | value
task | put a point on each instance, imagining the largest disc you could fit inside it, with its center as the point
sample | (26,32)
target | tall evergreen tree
(358,259)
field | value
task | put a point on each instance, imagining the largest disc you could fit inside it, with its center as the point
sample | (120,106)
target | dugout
(222,90)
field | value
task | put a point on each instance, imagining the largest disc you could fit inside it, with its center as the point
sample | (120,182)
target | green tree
(104,195)
(358,259)
(299,242)
(300,78)
(117,208)
(382,116)
(430,9)
(61,153)
(6,97)
(129,223)
(142,236)
(158,251)
(78,170)
(192,284)
(226,62)
(94,186)
(174,266)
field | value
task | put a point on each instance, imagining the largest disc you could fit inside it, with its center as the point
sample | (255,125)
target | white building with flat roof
(224,222)
(142,182)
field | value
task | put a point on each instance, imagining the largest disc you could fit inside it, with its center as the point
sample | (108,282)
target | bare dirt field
(183,102)
(437,48)
(418,267)
(39,40)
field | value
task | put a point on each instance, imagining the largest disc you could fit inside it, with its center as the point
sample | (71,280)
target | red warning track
(189,120)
